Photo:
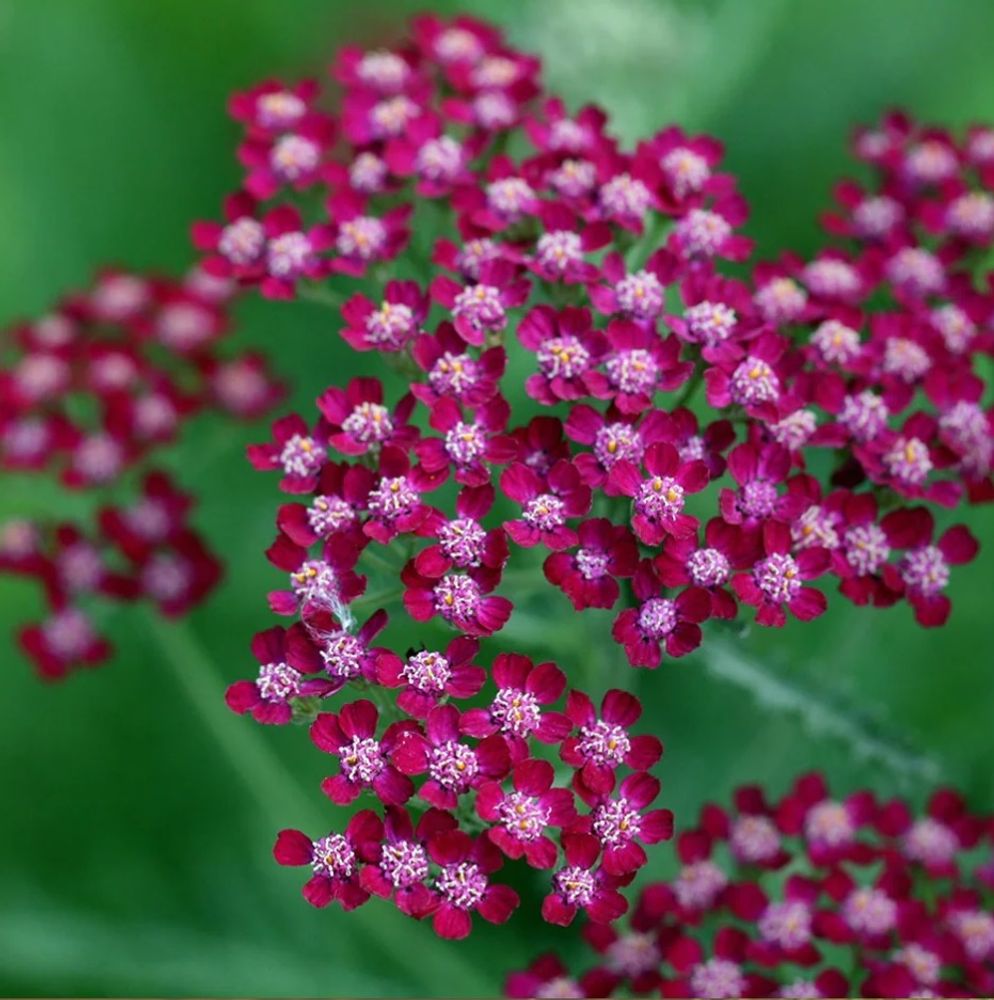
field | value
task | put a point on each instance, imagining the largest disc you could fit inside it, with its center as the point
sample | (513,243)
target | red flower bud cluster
(807,896)
(553,309)
(88,393)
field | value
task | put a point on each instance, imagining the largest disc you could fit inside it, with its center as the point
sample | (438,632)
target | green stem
(377,560)
(262,773)
(320,294)
(823,712)
(690,389)
(379,599)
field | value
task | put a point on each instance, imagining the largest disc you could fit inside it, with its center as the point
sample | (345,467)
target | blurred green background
(136,815)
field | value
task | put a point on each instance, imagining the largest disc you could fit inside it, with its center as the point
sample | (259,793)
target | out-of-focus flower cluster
(555,313)
(808,896)
(87,394)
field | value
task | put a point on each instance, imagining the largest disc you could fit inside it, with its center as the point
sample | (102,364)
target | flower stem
(320,294)
(262,773)
(690,389)
(822,712)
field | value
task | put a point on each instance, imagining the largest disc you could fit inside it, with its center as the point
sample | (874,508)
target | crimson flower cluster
(568,300)
(88,393)
(806,896)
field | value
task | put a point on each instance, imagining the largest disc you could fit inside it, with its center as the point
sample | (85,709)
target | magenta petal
(293,848)
(624,858)
(809,603)
(242,696)
(556,911)
(452,923)
(319,891)
(498,904)
(392,787)
(657,825)
(340,790)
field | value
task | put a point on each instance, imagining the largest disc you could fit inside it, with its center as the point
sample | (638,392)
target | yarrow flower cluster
(88,394)
(805,896)
(610,268)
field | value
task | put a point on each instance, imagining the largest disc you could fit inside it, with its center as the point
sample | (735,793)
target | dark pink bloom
(777,580)
(718,315)
(389,327)
(371,118)
(547,502)
(325,583)
(560,253)
(360,240)
(619,823)
(292,159)
(640,364)
(524,689)
(453,767)
(236,249)
(463,884)
(425,677)
(402,869)
(754,383)
(345,656)
(660,622)
(589,577)
(555,131)
(626,192)
(179,577)
(285,658)
(568,351)
(440,162)
(341,496)
(382,71)
(156,519)
(296,450)
(461,599)
(469,445)
(684,562)
(394,502)
(243,387)
(601,745)
(579,885)
(936,840)
(291,253)
(335,860)
(659,500)
(830,828)
(357,420)
(272,106)
(520,817)
(687,164)
(539,444)
(65,639)
(759,471)
(503,199)
(479,311)
(710,232)
(365,760)
(638,296)
(546,974)
(614,437)
(923,571)
(722,975)
(463,542)
(454,373)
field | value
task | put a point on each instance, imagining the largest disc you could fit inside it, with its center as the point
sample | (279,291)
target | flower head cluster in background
(593,388)
(805,896)
(88,393)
